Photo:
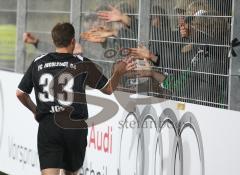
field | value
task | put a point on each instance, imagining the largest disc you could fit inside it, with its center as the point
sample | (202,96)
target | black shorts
(60,148)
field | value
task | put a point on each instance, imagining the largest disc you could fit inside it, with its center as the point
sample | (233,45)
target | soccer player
(61,148)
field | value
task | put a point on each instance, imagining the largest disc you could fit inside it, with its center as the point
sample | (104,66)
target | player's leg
(70,173)
(51,171)
(50,147)
(75,149)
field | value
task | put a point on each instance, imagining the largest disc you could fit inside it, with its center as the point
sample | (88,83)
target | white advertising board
(152,139)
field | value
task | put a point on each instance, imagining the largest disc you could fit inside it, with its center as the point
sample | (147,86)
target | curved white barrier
(113,145)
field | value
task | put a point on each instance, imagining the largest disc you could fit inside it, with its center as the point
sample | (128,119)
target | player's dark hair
(62,34)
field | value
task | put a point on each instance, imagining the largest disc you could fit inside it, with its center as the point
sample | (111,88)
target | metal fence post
(21,28)
(75,16)
(143,33)
(234,79)
(144,24)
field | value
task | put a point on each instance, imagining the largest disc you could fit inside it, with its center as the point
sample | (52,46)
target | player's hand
(29,38)
(141,53)
(113,15)
(147,71)
(144,70)
(124,66)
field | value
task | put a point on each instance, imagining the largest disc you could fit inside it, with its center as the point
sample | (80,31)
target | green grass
(7,42)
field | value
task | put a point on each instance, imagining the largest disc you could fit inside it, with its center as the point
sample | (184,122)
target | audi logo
(137,152)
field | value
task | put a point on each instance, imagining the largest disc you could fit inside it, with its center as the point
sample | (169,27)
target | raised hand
(141,53)
(89,36)
(104,34)
(124,66)
(29,38)
(98,34)
(183,27)
(113,15)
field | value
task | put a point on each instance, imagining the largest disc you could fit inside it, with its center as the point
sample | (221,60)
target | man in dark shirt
(61,148)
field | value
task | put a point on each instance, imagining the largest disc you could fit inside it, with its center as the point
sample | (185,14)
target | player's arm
(119,70)
(97,80)
(25,88)
(25,99)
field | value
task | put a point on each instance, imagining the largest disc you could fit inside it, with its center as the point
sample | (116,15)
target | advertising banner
(158,137)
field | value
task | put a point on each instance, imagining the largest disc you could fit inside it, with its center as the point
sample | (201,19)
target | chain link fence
(190,42)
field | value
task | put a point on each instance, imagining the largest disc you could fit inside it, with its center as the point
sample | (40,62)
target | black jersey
(68,72)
